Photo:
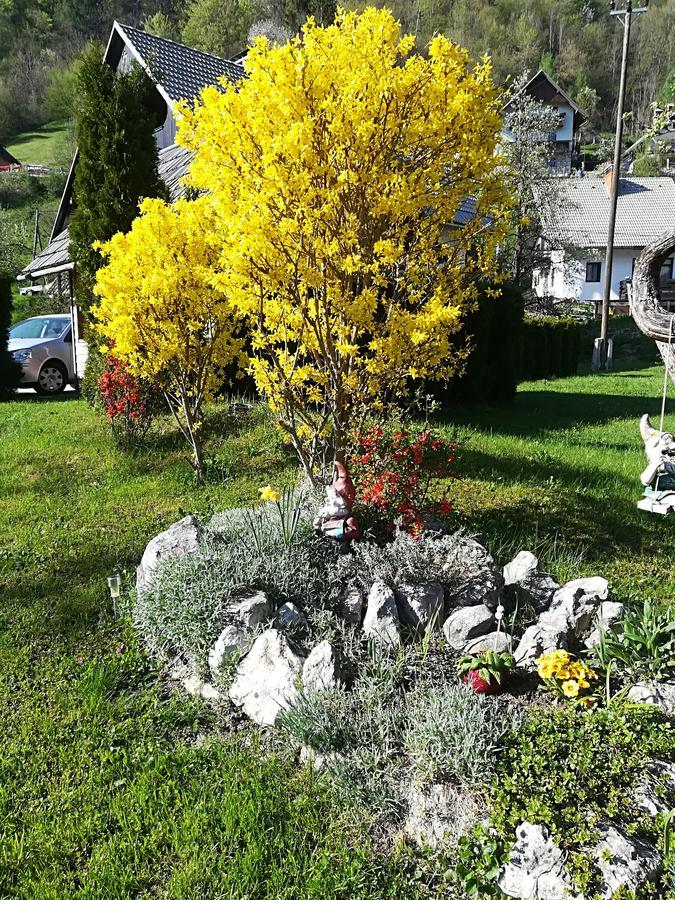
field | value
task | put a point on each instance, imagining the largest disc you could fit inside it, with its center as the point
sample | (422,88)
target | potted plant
(485,671)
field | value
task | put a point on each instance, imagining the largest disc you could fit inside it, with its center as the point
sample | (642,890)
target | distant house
(646,208)
(178,73)
(561,142)
(7,161)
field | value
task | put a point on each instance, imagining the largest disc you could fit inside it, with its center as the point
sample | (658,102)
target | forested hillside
(575,40)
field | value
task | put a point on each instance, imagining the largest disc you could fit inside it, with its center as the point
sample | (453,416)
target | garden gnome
(334,518)
(659,476)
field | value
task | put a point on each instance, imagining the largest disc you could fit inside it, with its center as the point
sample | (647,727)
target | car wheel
(52,379)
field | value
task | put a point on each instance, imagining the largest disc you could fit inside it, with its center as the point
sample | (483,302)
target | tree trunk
(645,298)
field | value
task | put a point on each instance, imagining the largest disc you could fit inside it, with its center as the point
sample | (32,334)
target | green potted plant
(485,671)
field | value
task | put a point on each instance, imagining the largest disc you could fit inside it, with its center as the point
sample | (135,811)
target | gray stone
(438,813)
(654,693)
(474,575)
(252,610)
(655,791)
(536,641)
(486,588)
(535,868)
(524,581)
(494,640)
(574,606)
(420,606)
(267,678)
(232,641)
(321,670)
(467,623)
(198,687)
(290,617)
(381,621)
(624,862)
(352,605)
(607,618)
(521,567)
(181,538)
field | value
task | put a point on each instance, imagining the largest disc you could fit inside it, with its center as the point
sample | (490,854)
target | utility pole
(602,353)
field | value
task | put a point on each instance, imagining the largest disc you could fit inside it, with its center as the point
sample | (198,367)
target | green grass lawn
(49,145)
(110,785)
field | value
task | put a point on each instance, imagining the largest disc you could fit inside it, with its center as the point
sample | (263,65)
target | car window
(42,327)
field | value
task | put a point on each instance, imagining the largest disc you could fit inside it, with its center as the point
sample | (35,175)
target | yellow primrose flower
(570,688)
(268,494)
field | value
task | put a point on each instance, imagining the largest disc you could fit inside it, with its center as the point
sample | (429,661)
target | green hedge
(508,348)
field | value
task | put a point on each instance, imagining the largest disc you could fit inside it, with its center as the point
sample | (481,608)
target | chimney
(608,177)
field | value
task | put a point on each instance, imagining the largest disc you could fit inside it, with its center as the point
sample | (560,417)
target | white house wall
(567,281)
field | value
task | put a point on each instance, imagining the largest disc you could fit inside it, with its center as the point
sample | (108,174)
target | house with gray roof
(178,73)
(575,237)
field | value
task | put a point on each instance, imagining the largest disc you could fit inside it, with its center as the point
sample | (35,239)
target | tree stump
(645,298)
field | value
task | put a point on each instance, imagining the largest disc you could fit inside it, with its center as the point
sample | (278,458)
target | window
(593,271)
(666,273)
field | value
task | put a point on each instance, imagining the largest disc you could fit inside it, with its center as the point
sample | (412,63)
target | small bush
(398,475)
(129,403)
(94,369)
(452,733)
(10,372)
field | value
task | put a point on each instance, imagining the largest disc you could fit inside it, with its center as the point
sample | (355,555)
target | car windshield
(44,327)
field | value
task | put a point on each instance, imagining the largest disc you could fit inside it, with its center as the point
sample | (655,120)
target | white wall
(567,281)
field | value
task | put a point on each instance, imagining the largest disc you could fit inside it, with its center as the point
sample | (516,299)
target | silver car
(43,346)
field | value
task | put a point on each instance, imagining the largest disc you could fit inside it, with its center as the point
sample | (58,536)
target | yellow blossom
(268,494)
(570,688)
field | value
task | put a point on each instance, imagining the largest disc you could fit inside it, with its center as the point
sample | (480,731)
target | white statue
(659,476)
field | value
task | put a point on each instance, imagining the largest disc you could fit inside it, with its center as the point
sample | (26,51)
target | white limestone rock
(536,641)
(251,611)
(607,618)
(289,617)
(198,687)
(381,621)
(521,567)
(655,791)
(624,862)
(438,813)
(352,605)
(420,606)
(524,581)
(232,641)
(480,581)
(321,669)
(654,693)
(267,678)
(493,640)
(535,869)
(466,624)
(181,538)
(578,600)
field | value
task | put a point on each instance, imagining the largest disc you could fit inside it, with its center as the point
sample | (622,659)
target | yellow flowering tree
(341,172)
(159,309)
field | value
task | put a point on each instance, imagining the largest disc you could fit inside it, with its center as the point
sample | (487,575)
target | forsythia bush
(157,305)
(338,170)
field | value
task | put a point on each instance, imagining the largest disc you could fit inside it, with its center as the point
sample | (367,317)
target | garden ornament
(659,476)
(334,518)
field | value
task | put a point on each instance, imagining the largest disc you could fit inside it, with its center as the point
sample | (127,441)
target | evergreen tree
(10,372)
(117,162)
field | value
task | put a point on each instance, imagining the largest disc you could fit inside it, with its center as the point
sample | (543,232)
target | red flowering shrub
(397,475)
(128,403)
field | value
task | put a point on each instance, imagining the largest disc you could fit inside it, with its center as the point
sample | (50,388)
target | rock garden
(514,729)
